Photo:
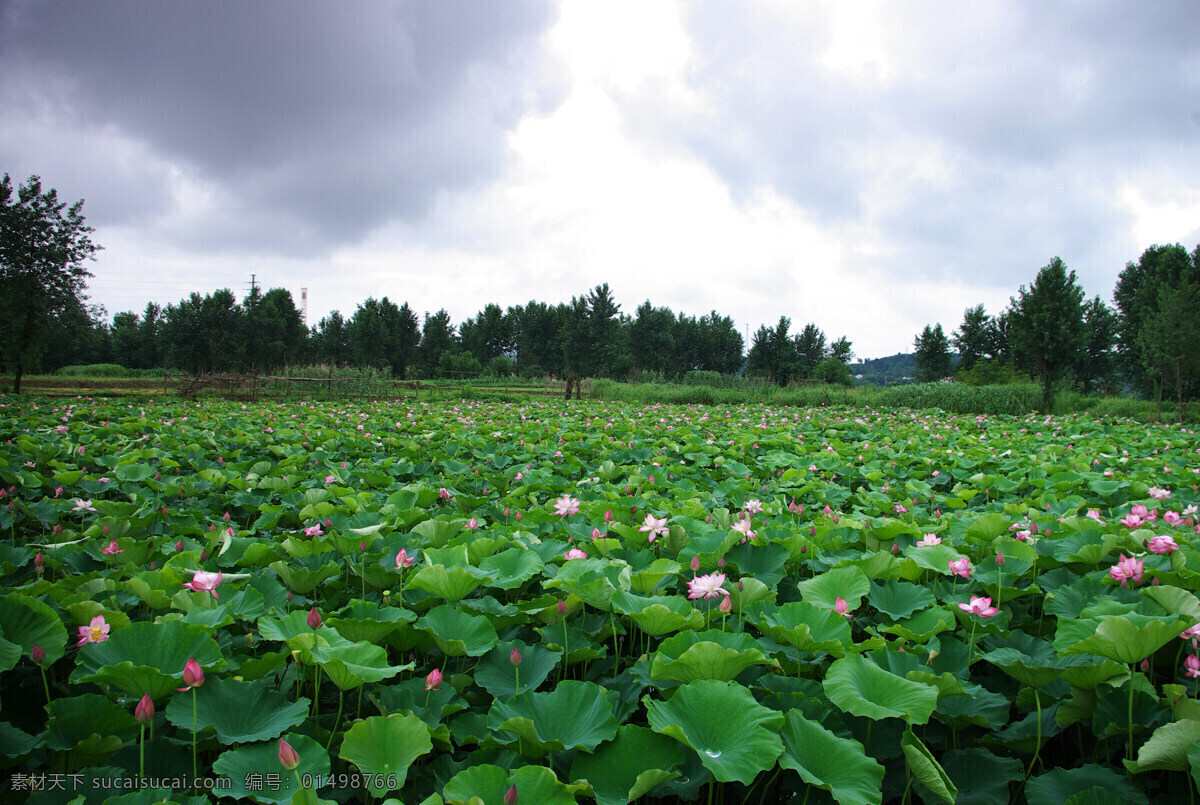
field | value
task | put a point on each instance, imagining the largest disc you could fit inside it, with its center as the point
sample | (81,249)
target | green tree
(841,351)
(833,371)
(652,340)
(488,335)
(721,344)
(275,332)
(1047,331)
(332,340)
(43,247)
(437,336)
(607,337)
(932,354)
(1098,361)
(1136,297)
(1170,339)
(810,349)
(972,339)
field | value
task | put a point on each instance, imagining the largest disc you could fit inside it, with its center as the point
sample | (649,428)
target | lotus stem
(516,680)
(194,775)
(612,623)
(142,752)
(337,719)
(566,650)
(45,684)
(1132,672)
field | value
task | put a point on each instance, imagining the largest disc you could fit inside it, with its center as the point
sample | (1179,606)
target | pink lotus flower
(754,506)
(193,675)
(1094,514)
(403,560)
(434,680)
(1161,545)
(979,606)
(1131,520)
(144,712)
(94,632)
(1141,511)
(707,586)
(204,582)
(444,493)
(313,531)
(1127,569)
(37,654)
(1191,633)
(1172,518)
(330,479)
(960,566)
(289,758)
(514,656)
(566,506)
(472,524)
(743,528)
(928,541)
(575,553)
(1192,663)
(899,509)
(314,620)
(111,549)
(81,505)
(841,607)
(655,526)
(1158,494)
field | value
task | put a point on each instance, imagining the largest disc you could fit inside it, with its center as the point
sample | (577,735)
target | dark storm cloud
(307,124)
(1037,113)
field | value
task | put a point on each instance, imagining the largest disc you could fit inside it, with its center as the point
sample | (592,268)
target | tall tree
(332,339)
(1170,339)
(1098,360)
(1136,297)
(43,247)
(437,336)
(652,340)
(608,347)
(1047,325)
(810,349)
(275,332)
(971,339)
(932,354)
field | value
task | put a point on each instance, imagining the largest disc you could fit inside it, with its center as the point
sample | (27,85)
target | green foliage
(94,370)
(932,354)
(1047,327)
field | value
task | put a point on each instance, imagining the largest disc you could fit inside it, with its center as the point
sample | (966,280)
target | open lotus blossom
(204,582)
(1126,569)
(962,567)
(82,505)
(1158,493)
(111,549)
(1192,663)
(444,493)
(575,553)
(1190,633)
(841,607)
(1131,520)
(472,524)
(1161,545)
(753,506)
(94,632)
(979,606)
(743,528)
(928,541)
(403,560)
(1172,518)
(313,531)
(1094,514)
(707,586)
(656,526)
(566,506)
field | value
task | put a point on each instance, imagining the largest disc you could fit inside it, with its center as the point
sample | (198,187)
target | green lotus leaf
(734,736)
(26,621)
(15,742)
(355,664)
(303,575)
(366,621)
(760,560)
(438,531)
(922,765)
(257,758)
(646,579)
(1059,785)
(10,654)
(837,765)
(899,599)
(89,724)
(574,715)
(924,625)
(981,777)
(628,766)
(705,655)
(593,580)
(511,568)
(1167,748)
(1127,638)
(807,627)
(1034,673)
(860,687)
(431,706)
(936,558)
(147,657)
(1175,601)
(451,584)
(459,633)
(848,583)
(659,614)
(386,745)
(979,707)
(488,784)
(240,712)
(496,674)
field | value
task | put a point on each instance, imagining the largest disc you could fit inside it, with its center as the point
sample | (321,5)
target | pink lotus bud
(434,680)
(999,558)
(193,674)
(507,511)
(289,595)
(362,544)
(515,656)
(812,530)
(144,711)
(57,529)
(561,606)
(518,516)
(225,517)
(289,758)
(38,559)
(895,547)
(314,619)
(154,565)
(726,605)
(38,654)
(510,796)
(608,515)
(105,529)
(212,526)
(203,556)
(596,533)
(721,562)
(651,479)
(695,563)
(179,546)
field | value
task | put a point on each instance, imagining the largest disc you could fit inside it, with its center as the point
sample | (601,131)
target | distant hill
(898,368)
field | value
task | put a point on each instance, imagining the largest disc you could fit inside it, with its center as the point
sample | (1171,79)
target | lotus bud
(510,796)
(225,517)
(154,565)
(726,605)
(288,757)
(105,529)
(515,656)
(193,674)
(812,530)
(362,544)
(212,526)
(721,562)
(895,547)
(561,606)
(518,516)
(507,511)
(204,556)
(314,619)
(740,586)
(57,528)
(651,479)
(328,523)
(999,558)
(38,559)
(179,546)
(695,563)
(38,654)
(289,595)
(144,711)
(434,680)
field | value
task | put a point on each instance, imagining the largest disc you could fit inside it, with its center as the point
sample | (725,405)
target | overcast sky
(872,167)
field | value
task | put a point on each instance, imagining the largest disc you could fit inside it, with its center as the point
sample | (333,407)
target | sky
(871,167)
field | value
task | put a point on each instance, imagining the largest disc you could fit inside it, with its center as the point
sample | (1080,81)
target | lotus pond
(500,602)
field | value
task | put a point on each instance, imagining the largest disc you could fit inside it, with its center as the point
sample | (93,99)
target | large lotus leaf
(369,622)
(431,706)
(646,579)
(1034,673)
(848,583)
(860,687)
(295,624)
(922,765)
(706,655)
(386,745)
(15,742)
(1059,785)
(1175,601)
(302,579)
(574,715)
(593,580)
(749,591)
(10,654)
(979,707)
(91,720)
(807,627)
(496,674)
(735,737)
(449,583)
(981,777)
(1126,638)
(240,712)
(760,560)
(628,766)
(438,532)
(1086,547)
(487,784)
(355,664)
(922,626)
(511,568)
(936,558)
(147,657)
(253,759)
(1167,748)
(459,633)
(26,621)
(837,765)
(899,599)
(658,614)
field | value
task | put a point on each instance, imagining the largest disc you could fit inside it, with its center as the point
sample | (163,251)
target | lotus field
(485,602)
